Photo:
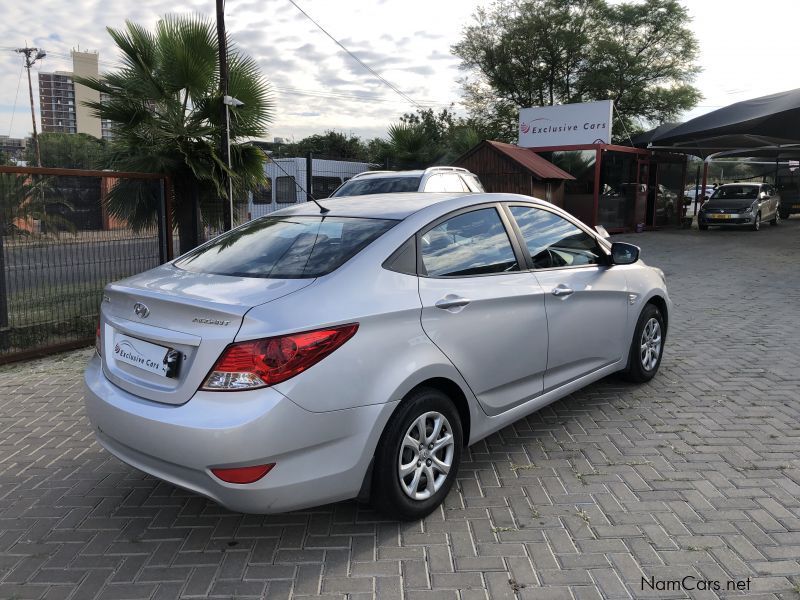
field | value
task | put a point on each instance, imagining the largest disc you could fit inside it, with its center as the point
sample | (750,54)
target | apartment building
(61,99)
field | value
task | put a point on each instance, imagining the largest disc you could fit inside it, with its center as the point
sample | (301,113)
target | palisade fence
(61,242)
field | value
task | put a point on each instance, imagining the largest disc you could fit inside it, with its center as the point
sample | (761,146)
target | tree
(332,144)
(70,151)
(164,107)
(542,52)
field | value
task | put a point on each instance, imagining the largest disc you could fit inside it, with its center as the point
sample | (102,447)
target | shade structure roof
(641,140)
(765,126)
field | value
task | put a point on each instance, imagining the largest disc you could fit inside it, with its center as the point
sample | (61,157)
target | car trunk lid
(163,330)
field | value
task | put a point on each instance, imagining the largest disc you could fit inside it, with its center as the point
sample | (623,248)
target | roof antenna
(322,209)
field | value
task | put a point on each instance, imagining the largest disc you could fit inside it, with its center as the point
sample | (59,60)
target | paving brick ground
(696,473)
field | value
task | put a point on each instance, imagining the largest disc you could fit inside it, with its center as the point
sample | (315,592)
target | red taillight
(259,363)
(243,474)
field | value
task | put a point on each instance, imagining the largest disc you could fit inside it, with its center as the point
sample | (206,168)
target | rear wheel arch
(453,391)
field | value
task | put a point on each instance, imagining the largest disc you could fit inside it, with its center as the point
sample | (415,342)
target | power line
(16,96)
(394,88)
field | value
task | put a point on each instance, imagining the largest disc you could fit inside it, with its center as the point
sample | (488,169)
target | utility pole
(225,144)
(28,52)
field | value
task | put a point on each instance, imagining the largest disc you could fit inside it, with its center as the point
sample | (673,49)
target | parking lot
(605,494)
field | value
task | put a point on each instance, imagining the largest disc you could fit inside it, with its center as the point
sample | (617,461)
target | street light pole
(225,142)
(28,62)
(229,101)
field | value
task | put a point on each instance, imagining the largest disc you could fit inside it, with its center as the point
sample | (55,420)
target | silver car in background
(307,358)
(741,205)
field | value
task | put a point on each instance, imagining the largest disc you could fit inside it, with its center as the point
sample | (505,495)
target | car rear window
(378,185)
(285,247)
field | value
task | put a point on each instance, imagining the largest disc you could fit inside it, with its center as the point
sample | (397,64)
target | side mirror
(763,195)
(624,254)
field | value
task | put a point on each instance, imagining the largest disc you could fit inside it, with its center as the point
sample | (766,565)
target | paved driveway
(695,474)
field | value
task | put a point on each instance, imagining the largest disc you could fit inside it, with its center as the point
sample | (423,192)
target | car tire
(642,365)
(401,471)
(702,227)
(776,219)
(757,224)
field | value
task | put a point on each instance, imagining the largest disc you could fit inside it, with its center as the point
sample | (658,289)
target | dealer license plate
(146,356)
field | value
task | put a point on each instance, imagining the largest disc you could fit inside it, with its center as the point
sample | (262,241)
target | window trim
(605,245)
(512,239)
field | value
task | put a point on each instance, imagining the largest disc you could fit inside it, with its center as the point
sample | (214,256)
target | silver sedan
(307,358)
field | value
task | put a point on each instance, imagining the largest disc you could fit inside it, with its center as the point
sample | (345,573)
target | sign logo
(141,310)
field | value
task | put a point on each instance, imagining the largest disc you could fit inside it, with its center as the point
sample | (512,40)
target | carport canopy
(768,126)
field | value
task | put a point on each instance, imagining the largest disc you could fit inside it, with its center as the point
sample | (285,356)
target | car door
(773,200)
(586,300)
(481,307)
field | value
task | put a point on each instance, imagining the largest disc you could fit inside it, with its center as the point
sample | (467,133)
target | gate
(65,234)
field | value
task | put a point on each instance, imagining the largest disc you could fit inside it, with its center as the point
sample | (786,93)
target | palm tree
(164,107)
(411,147)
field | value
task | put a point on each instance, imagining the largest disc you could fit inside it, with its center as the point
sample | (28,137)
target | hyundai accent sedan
(307,358)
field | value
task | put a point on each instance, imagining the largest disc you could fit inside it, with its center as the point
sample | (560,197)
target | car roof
(740,184)
(382,174)
(397,205)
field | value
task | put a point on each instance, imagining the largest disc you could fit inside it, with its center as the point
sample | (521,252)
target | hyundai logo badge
(141,310)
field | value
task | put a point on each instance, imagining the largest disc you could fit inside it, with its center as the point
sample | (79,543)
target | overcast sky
(748,49)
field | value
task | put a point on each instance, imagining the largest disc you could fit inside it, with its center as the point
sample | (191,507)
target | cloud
(317,85)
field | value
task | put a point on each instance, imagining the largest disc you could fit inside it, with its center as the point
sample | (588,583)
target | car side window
(472,243)
(553,241)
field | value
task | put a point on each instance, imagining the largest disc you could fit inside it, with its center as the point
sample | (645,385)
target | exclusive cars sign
(565,124)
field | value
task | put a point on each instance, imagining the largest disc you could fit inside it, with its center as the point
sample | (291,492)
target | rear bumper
(319,457)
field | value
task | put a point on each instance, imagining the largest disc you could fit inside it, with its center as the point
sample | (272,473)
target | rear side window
(473,243)
(285,247)
(378,185)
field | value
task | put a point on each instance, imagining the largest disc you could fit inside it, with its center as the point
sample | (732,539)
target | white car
(691,206)
(433,179)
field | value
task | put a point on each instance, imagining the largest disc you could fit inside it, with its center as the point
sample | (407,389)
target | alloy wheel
(650,344)
(426,456)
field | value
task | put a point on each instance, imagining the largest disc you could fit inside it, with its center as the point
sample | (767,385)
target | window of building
(325,186)
(285,190)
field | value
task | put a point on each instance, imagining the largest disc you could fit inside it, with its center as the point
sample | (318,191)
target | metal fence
(62,239)
(66,233)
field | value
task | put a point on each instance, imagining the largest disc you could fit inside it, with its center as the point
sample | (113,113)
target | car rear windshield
(737,192)
(378,185)
(285,247)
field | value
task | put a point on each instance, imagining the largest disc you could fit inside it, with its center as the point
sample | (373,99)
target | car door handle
(450,301)
(561,290)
